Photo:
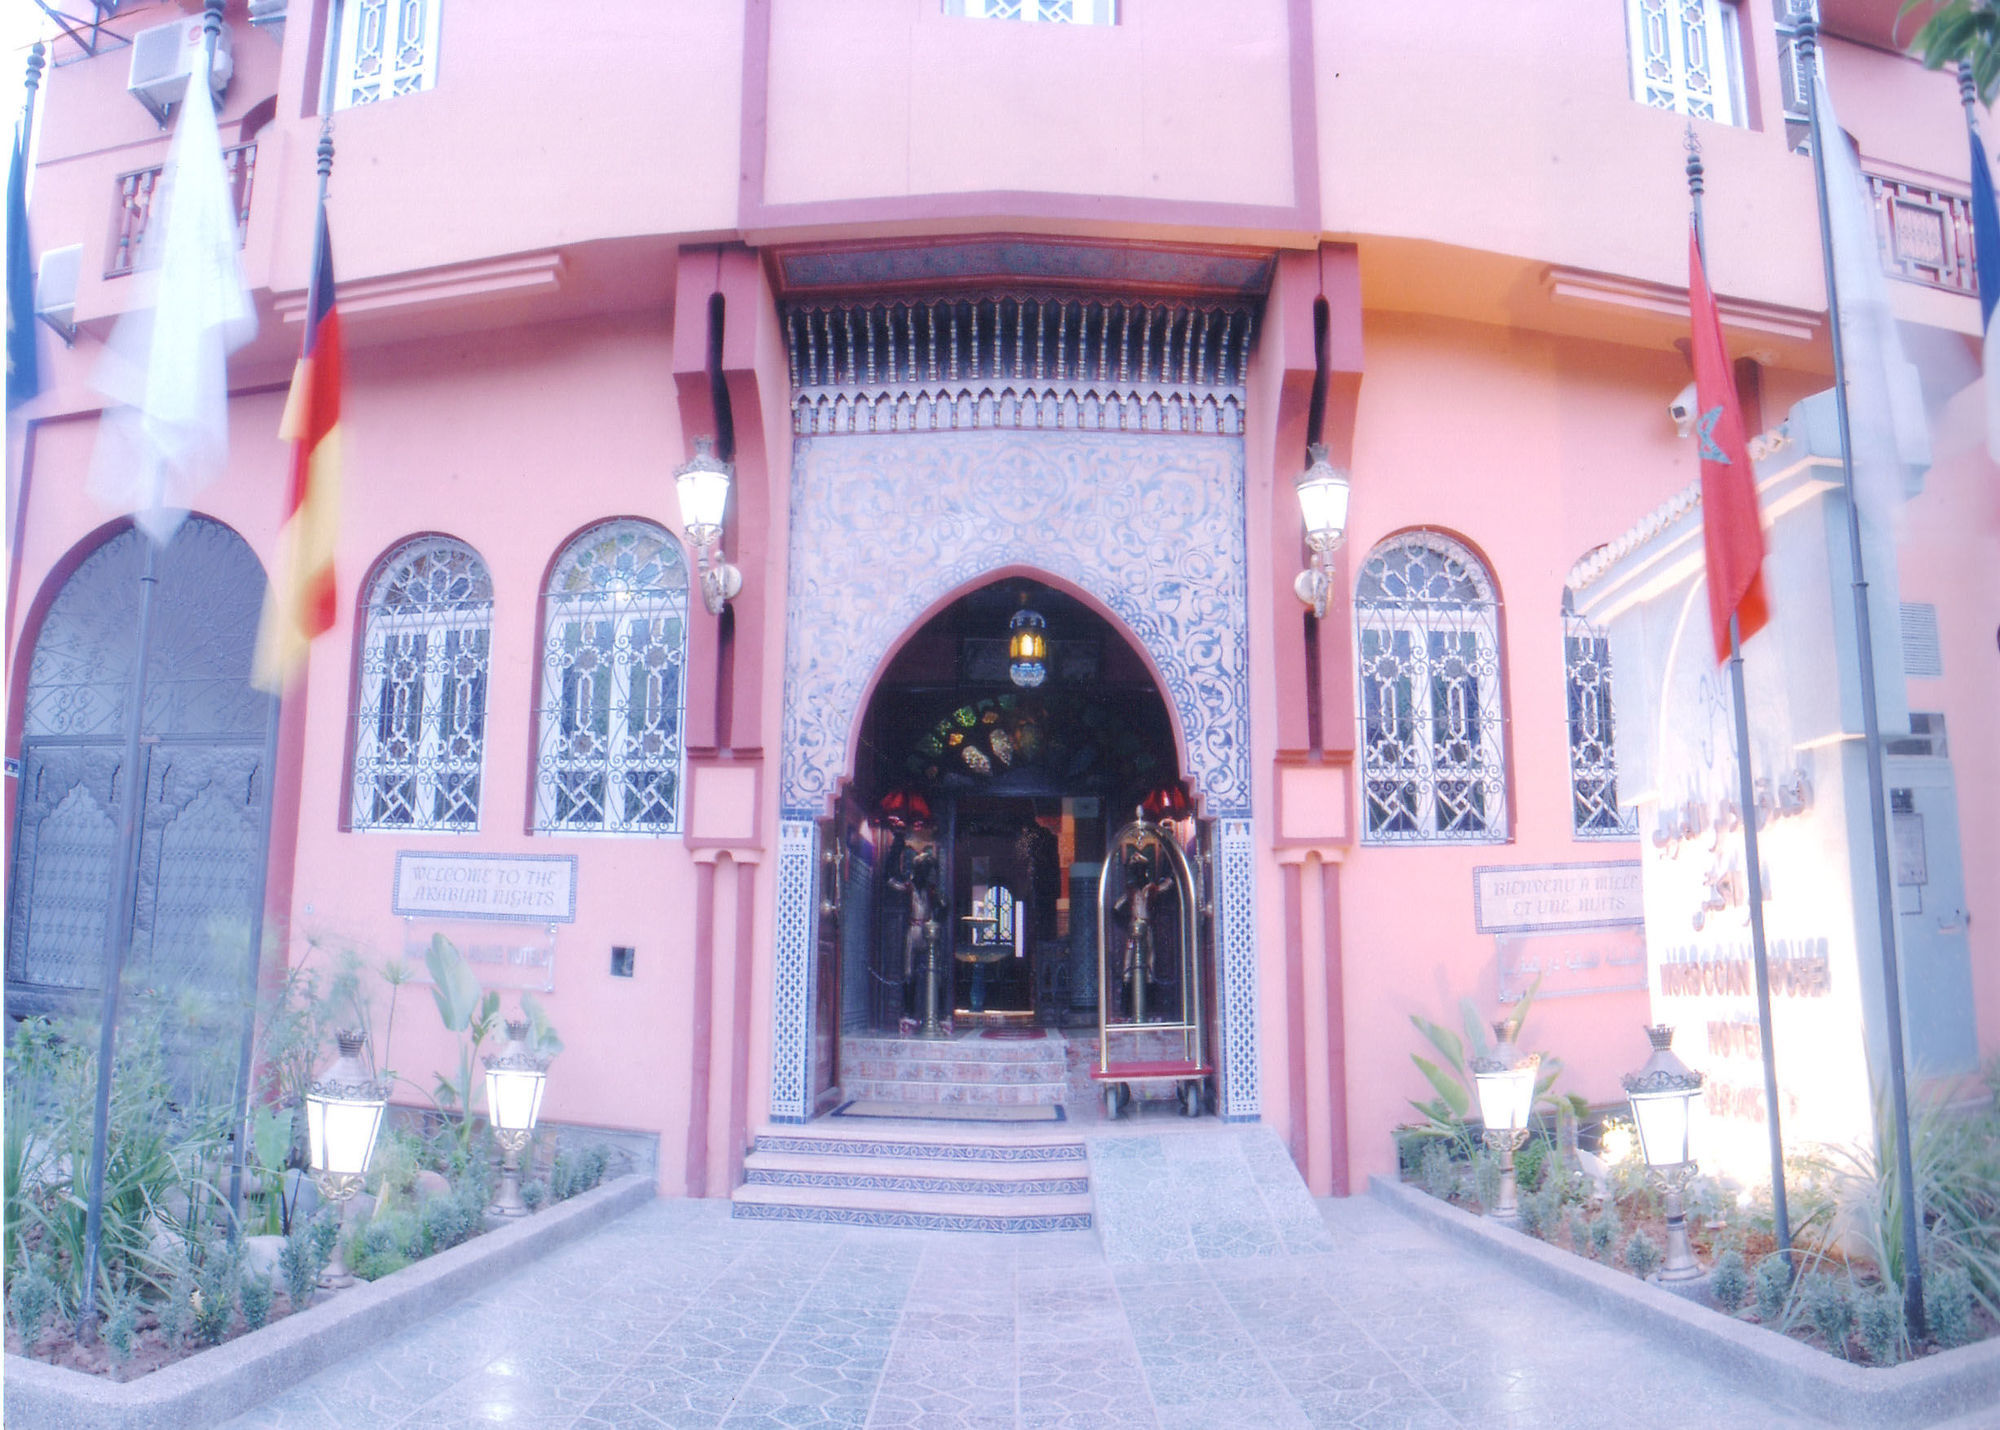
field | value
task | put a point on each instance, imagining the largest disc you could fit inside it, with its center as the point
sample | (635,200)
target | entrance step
(967,1069)
(937,1177)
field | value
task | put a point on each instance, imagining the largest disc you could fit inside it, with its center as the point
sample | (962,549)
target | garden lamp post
(1322,491)
(1662,1094)
(343,1117)
(515,1078)
(1506,1086)
(703,487)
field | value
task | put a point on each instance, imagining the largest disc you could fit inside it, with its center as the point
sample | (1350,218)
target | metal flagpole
(1871,725)
(242,1103)
(35,64)
(1754,872)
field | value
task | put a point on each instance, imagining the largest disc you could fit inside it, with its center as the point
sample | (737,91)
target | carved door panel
(65,851)
(199,857)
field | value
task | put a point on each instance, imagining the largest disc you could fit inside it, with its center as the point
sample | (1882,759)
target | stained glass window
(1433,767)
(1684,56)
(387,48)
(612,701)
(420,730)
(1593,757)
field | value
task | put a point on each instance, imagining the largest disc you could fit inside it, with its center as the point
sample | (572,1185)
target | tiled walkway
(678,1316)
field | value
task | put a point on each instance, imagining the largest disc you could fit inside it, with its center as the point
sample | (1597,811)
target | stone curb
(1795,1376)
(210,1387)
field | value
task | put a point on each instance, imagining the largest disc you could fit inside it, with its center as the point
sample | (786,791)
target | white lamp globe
(515,1079)
(1323,491)
(344,1112)
(703,488)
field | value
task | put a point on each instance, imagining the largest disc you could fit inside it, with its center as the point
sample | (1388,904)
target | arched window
(420,729)
(1593,753)
(1432,762)
(613,649)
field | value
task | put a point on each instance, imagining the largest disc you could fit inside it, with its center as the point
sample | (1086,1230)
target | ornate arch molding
(884,527)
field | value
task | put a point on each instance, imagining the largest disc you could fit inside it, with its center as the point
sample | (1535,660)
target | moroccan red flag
(299,603)
(1732,535)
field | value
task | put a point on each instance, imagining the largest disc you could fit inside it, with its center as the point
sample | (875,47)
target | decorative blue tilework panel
(791,993)
(1238,974)
(886,527)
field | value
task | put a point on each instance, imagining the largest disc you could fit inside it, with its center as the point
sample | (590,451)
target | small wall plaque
(1541,898)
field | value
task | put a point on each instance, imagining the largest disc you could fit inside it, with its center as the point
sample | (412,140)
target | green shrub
(383,1246)
(1773,1286)
(213,1298)
(121,1325)
(300,1263)
(1439,1177)
(537,1192)
(31,1301)
(1730,1281)
(1485,1178)
(444,1222)
(1642,1254)
(176,1310)
(255,1297)
(324,1229)
(1531,1163)
(1829,1304)
(1878,1318)
(1604,1231)
(1948,1305)
(1579,1231)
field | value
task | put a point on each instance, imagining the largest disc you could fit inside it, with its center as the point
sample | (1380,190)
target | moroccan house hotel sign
(525,888)
(1547,898)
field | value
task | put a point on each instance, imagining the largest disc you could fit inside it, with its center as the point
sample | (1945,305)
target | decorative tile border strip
(928,1151)
(208,1388)
(959,1186)
(1901,1397)
(914,1221)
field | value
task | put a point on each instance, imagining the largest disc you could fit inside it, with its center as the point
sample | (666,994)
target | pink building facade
(1038,306)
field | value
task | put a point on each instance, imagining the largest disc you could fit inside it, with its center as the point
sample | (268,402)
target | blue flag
(24,375)
(1986,252)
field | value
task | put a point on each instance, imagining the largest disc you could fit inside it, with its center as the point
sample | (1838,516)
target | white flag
(166,368)
(1889,434)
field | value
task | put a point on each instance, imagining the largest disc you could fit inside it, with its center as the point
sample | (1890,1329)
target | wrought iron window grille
(420,727)
(1593,753)
(1047,12)
(613,698)
(387,48)
(1018,360)
(1428,650)
(1685,57)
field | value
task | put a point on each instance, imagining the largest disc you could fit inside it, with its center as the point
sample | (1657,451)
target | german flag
(299,603)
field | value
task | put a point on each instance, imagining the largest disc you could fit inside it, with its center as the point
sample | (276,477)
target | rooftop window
(1047,12)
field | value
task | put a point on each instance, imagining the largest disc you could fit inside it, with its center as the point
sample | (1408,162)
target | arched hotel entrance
(997,865)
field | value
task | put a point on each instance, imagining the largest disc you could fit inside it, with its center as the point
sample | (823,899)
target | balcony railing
(1925,234)
(137,190)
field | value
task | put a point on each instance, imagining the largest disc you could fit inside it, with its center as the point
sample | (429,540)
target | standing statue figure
(1146,877)
(916,878)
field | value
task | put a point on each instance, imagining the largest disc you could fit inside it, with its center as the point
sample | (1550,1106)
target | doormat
(953,1112)
(1022,1035)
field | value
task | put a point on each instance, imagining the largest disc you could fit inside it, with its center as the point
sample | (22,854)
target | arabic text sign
(1585,961)
(1538,898)
(522,888)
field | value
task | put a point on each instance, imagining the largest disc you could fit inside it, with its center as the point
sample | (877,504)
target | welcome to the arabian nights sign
(523,888)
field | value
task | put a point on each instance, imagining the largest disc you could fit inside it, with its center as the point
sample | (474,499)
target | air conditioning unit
(165,55)
(55,289)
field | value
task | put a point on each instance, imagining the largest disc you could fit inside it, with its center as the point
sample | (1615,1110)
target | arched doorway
(982,818)
(203,761)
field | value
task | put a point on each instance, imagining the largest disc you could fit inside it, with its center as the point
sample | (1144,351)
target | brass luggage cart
(1139,850)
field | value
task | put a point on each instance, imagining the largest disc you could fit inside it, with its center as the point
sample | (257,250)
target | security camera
(1682,410)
